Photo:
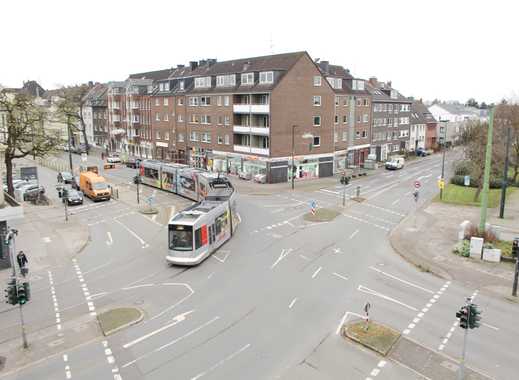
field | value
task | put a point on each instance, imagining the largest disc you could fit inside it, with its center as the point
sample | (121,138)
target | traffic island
(321,215)
(377,337)
(115,320)
(149,211)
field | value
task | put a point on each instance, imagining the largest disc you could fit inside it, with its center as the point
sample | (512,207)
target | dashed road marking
(317,272)
(292,303)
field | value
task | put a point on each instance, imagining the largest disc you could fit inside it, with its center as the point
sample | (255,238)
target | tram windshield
(180,238)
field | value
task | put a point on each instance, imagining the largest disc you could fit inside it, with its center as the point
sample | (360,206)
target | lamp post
(444,140)
(305,136)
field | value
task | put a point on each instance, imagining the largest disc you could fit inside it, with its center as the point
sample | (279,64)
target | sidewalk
(427,237)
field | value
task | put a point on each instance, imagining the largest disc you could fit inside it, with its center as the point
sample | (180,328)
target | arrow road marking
(176,320)
(110,240)
(372,292)
(284,253)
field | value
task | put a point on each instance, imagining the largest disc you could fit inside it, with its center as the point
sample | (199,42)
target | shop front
(303,168)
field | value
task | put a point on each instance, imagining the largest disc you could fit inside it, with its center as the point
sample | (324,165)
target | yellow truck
(94,186)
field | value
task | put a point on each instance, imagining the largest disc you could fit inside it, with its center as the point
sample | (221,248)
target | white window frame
(313,121)
(317,80)
(226,100)
(157,102)
(226,80)
(157,116)
(166,117)
(180,101)
(180,137)
(203,82)
(165,101)
(266,77)
(219,100)
(365,118)
(313,141)
(317,100)
(219,140)
(247,79)
(181,85)
(226,139)
(180,119)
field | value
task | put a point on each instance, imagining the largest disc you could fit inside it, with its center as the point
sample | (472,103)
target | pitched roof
(421,109)
(459,109)
(96,96)
(153,75)
(379,93)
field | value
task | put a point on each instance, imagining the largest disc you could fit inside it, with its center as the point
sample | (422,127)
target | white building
(452,119)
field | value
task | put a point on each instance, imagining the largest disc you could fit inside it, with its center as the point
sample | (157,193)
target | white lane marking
(329,191)
(365,222)
(399,279)
(304,257)
(143,243)
(97,295)
(375,372)
(176,320)
(489,326)
(171,343)
(354,233)
(340,276)
(364,289)
(221,362)
(110,241)
(345,317)
(284,253)
(292,303)
(222,260)
(137,286)
(317,272)
(395,202)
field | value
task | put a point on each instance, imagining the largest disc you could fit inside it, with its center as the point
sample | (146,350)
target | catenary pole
(486,176)
(505,176)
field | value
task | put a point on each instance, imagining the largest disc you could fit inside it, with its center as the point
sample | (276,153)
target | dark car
(133,162)
(32,191)
(65,177)
(75,183)
(421,152)
(73,197)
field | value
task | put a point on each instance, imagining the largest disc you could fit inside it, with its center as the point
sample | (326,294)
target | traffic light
(515,247)
(11,296)
(22,296)
(463,315)
(137,179)
(474,316)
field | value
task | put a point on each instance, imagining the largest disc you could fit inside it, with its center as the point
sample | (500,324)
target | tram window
(151,173)
(221,223)
(180,238)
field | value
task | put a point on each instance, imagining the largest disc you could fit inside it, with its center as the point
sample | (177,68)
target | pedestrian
(102,156)
(22,262)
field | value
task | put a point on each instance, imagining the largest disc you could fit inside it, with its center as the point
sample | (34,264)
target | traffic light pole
(461,372)
(516,276)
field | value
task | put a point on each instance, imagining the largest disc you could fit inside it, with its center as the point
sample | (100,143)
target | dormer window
(266,77)
(336,83)
(226,80)
(358,84)
(203,82)
(247,79)
(394,94)
(181,85)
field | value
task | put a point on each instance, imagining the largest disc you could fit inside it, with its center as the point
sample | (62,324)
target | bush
(462,168)
(458,180)
(462,248)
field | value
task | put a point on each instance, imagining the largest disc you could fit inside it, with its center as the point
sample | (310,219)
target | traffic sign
(84,157)
(441,184)
(417,184)
(313,206)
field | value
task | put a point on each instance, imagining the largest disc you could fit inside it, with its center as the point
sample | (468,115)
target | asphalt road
(268,305)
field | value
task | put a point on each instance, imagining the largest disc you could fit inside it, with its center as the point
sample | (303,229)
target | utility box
(476,247)
(492,255)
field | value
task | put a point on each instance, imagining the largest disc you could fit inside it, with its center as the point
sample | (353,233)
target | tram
(198,231)
(180,179)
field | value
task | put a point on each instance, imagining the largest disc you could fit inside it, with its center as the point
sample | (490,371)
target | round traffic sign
(417,184)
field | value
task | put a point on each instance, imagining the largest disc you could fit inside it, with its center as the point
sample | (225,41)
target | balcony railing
(251,108)
(251,149)
(262,131)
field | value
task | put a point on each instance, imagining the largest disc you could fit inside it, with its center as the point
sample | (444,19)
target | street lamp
(305,136)
(442,144)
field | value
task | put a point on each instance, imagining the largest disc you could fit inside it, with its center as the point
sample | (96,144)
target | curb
(119,328)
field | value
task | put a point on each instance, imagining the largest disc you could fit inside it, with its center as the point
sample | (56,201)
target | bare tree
(25,133)
(508,115)
(70,108)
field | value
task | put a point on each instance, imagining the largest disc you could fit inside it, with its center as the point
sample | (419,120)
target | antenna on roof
(271,46)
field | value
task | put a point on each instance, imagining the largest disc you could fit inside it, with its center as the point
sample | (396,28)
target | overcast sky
(452,49)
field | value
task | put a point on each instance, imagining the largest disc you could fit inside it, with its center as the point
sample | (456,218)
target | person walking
(22,262)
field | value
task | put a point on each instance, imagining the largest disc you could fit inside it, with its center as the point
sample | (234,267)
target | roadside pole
(292,171)
(138,182)
(66,206)
(516,276)
(505,176)
(69,148)
(443,171)
(462,362)
(486,177)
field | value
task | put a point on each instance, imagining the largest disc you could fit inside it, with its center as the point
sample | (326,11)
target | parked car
(16,182)
(73,197)
(24,183)
(78,149)
(65,177)
(113,159)
(75,183)
(421,152)
(133,162)
(395,163)
(260,178)
(244,175)
(32,191)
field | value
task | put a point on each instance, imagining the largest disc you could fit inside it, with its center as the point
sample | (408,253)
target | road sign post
(367,306)
(313,207)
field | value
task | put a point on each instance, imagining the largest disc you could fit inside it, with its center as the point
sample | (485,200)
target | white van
(395,163)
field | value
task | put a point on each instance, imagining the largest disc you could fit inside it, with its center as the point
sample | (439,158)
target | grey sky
(452,49)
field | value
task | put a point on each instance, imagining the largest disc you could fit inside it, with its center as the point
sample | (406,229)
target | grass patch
(504,246)
(378,337)
(321,215)
(462,195)
(116,319)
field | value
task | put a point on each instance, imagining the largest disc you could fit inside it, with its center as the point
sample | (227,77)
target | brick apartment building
(391,119)
(95,115)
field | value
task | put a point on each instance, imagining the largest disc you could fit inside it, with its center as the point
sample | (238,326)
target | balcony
(251,108)
(262,131)
(251,149)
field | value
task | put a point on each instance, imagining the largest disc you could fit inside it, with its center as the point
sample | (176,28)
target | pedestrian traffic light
(474,316)
(22,296)
(515,247)
(10,292)
(463,315)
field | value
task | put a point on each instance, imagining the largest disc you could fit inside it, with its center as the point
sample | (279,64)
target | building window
(359,102)
(157,101)
(226,139)
(358,84)
(247,79)
(345,119)
(166,101)
(226,100)
(266,77)
(193,101)
(317,141)
(157,135)
(220,120)
(219,100)
(180,101)
(317,121)
(206,137)
(225,80)
(335,137)
(203,82)
(157,116)
(180,137)
(345,101)
(404,120)
(357,135)
(166,117)
(194,119)
(205,100)
(366,102)
(317,81)
(205,119)
(358,119)
(180,119)
(344,136)
(317,100)
(220,140)
(193,136)
(336,100)
(365,118)
(227,120)
(364,134)
(166,135)
(181,85)
(336,121)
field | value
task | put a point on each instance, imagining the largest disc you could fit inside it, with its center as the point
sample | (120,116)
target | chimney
(193,65)
(211,61)
(90,83)
(180,66)
(389,83)
(373,81)
(325,66)
(202,62)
